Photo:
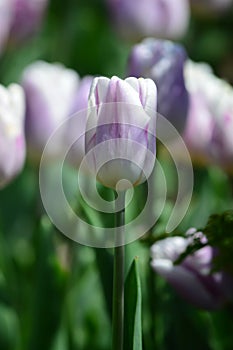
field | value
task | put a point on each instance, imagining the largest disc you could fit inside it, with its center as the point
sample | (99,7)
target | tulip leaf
(133,301)
(50,289)
(104,262)
(9,328)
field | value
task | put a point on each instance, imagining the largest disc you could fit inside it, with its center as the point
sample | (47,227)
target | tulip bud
(27,17)
(163,62)
(192,278)
(12,141)
(50,92)
(120,137)
(6,13)
(136,19)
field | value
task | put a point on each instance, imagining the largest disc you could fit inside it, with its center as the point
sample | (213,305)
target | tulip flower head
(12,141)
(120,136)
(81,97)
(210,116)
(50,92)
(163,62)
(192,278)
(27,17)
(136,19)
(77,122)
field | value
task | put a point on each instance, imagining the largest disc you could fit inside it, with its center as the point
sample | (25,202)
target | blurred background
(54,293)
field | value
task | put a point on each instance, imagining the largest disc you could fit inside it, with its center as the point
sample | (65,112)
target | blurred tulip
(121,129)
(81,97)
(163,62)
(192,278)
(207,6)
(77,123)
(210,116)
(12,141)
(136,19)
(50,93)
(222,141)
(6,14)
(27,18)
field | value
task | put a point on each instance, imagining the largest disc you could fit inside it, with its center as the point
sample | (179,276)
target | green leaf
(50,289)
(9,328)
(133,302)
(104,261)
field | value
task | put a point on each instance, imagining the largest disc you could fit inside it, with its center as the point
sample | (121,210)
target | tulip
(163,62)
(136,19)
(50,93)
(6,13)
(208,6)
(192,278)
(200,122)
(120,137)
(81,97)
(210,116)
(27,18)
(12,141)
(77,123)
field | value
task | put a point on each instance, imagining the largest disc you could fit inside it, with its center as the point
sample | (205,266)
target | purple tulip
(27,17)
(120,137)
(77,122)
(50,93)
(136,19)
(6,14)
(81,98)
(221,151)
(192,278)
(210,116)
(163,62)
(200,122)
(12,141)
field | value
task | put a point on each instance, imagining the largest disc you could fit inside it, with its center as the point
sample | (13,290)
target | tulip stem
(118,275)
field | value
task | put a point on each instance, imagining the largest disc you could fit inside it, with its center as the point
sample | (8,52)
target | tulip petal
(98,91)
(12,141)
(186,283)
(50,91)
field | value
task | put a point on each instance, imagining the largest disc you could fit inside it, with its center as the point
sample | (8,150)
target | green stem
(118,277)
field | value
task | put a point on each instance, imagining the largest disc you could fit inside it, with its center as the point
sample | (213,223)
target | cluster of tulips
(100,114)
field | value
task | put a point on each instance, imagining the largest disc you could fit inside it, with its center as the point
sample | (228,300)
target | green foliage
(219,234)
(50,283)
(133,304)
(56,294)
(9,328)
